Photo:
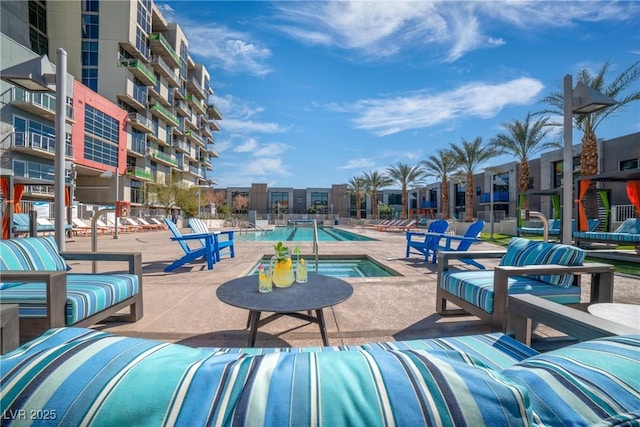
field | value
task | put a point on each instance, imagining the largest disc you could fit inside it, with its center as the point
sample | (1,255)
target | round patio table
(319,292)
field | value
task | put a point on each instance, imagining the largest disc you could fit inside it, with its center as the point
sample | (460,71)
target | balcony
(159,110)
(138,172)
(140,122)
(182,107)
(140,70)
(43,144)
(194,136)
(181,145)
(213,112)
(132,49)
(212,151)
(498,197)
(172,76)
(214,125)
(196,103)
(41,104)
(180,93)
(164,157)
(206,130)
(161,46)
(195,170)
(204,160)
(138,98)
(138,147)
(195,87)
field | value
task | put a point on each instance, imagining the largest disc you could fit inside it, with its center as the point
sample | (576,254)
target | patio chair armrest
(133,258)
(445,256)
(552,269)
(194,236)
(229,233)
(523,308)
(56,289)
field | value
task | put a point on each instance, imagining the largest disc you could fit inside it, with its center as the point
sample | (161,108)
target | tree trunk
(444,199)
(523,181)
(589,166)
(468,208)
(404,203)
(374,204)
(358,213)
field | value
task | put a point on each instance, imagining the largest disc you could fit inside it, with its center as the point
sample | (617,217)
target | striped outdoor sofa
(531,267)
(76,376)
(628,233)
(33,274)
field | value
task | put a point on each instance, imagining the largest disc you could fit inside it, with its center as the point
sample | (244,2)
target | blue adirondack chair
(206,250)
(199,226)
(426,242)
(470,237)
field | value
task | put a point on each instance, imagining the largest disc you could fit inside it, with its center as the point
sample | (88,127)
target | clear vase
(282,270)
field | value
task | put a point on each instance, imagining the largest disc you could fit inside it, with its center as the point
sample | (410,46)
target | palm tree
(375,181)
(406,176)
(441,167)
(469,157)
(588,123)
(523,140)
(357,186)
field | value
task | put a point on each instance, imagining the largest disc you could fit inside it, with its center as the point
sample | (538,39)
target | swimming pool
(351,266)
(301,234)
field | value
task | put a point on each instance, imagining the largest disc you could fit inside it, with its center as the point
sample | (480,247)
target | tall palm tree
(406,176)
(441,167)
(375,181)
(588,123)
(357,186)
(523,140)
(470,156)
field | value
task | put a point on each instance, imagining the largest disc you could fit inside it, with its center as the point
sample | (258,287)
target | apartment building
(152,95)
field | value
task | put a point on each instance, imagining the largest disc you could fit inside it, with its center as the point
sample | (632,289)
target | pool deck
(182,306)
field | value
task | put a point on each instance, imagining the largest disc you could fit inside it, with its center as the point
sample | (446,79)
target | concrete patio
(182,306)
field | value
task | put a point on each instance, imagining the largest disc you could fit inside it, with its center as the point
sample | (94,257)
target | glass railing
(194,135)
(166,113)
(138,65)
(498,196)
(139,118)
(140,94)
(164,157)
(139,172)
(165,43)
(139,145)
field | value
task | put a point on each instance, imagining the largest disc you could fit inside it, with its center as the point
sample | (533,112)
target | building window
(394,199)
(137,192)
(558,171)
(628,164)
(90,78)
(101,137)
(280,202)
(90,26)
(38,27)
(319,201)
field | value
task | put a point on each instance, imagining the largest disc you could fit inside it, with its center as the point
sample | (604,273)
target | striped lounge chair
(628,233)
(543,269)
(80,377)
(35,276)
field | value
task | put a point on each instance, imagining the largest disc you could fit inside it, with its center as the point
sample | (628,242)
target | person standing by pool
(174,215)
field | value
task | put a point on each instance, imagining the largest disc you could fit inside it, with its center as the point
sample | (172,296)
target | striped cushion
(630,225)
(32,254)
(476,287)
(496,351)
(87,294)
(607,237)
(89,378)
(591,383)
(521,252)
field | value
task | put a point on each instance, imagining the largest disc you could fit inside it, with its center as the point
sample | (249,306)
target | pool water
(301,234)
(354,266)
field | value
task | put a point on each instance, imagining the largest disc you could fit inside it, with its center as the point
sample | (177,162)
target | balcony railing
(161,44)
(197,103)
(182,107)
(39,102)
(139,172)
(140,121)
(167,158)
(140,70)
(195,86)
(169,73)
(212,151)
(213,111)
(194,135)
(39,142)
(165,113)
(498,197)
(139,146)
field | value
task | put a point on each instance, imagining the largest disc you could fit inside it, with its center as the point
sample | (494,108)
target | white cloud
(382,29)
(236,114)
(246,147)
(360,163)
(417,110)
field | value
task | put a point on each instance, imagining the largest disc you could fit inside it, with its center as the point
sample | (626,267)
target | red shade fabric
(582,214)
(18,191)
(67,196)
(633,191)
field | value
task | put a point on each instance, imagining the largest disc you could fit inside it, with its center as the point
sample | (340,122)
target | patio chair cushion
(90,375)
(521,252)
(590,383)
(87,294)
(476,287)
(30,254)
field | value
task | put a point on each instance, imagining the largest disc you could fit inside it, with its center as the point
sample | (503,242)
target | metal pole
(567,161)
(115,217)
(491,204)
(59,161)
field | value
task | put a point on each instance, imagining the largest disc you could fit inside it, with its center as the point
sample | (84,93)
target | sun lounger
(628,233)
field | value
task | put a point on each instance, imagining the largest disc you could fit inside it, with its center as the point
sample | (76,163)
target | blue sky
(315,93)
